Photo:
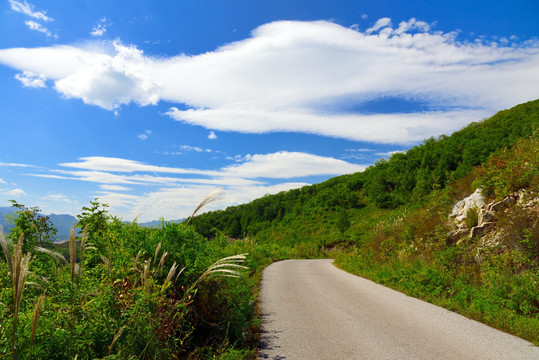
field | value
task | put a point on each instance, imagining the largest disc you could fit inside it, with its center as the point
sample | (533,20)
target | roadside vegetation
(118,290)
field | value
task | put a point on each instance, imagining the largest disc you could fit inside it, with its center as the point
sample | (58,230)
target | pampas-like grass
(211,197)
(72,253)
(116,337)
(52,253)
(35,318)
(20,264)
(227,267)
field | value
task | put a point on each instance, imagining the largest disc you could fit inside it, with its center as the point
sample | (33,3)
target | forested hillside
(405,177)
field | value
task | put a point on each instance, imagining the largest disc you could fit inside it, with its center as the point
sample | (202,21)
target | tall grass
(19,264)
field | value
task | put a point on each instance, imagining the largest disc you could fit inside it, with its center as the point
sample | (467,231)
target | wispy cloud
(212,136)
(244,86)
(30,79)
(144,135)
(101,27)
(114,188)
(17,165)
(32,25)
(380,24)
(59,198)
(178,190)
(389,153)
(28,9)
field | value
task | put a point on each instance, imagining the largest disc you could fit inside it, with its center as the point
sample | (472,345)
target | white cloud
(179,190)
(15,192)
(144,135)
(295,76)
(32,25)
(17,165)
(380,24)
(2,181)
(286,165)
(114,188)
(280,165)
(59,198)
(101,27)
(191,148)
(110,81)
(30,79)
(389,153)
(28,9)
(212,136)
(412,24)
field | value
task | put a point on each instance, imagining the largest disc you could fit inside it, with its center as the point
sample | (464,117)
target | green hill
(404,178)
(390,222)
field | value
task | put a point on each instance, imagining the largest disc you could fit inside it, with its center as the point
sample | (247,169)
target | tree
(38,230)
(343,222)
(94,220)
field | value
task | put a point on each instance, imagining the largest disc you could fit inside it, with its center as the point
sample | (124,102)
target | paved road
(312,310)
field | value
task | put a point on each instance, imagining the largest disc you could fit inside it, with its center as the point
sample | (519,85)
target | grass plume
(19,271)
(35,318)
(211,197)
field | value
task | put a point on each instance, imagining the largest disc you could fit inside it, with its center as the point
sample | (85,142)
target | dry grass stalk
(135,264)
(54,254)
(19,272)
(83,244)
(106,262)
(157,252)
(72,252)
(35,318)
(223,267)
(162,262)
(170,275)
(211,197)
(4,242)
(146,274)
(116,337)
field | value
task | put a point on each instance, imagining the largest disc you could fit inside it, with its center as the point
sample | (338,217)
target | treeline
(405,177)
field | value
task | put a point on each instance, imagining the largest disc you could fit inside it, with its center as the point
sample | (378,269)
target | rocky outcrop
(481,229)
(460,209)
(487,214)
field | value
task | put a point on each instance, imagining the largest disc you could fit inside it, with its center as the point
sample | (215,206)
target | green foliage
(343,221)
(511,169)
(141,292)
(38,230)
(472,217)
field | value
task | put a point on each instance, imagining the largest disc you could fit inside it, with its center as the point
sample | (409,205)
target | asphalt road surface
(312,310)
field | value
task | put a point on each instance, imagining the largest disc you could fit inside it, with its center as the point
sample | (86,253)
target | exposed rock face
(487,213)
(484,216)
(482,229)
(461,208)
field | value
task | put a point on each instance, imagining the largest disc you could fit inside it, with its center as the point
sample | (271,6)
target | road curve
(312,310)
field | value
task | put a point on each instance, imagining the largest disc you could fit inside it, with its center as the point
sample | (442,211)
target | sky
(151,105)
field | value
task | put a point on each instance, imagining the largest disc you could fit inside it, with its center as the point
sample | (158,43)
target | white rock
(461,208)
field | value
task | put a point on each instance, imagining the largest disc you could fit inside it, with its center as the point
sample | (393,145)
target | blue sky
(151,105)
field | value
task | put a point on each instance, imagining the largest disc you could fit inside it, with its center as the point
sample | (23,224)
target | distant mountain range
(62,222)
